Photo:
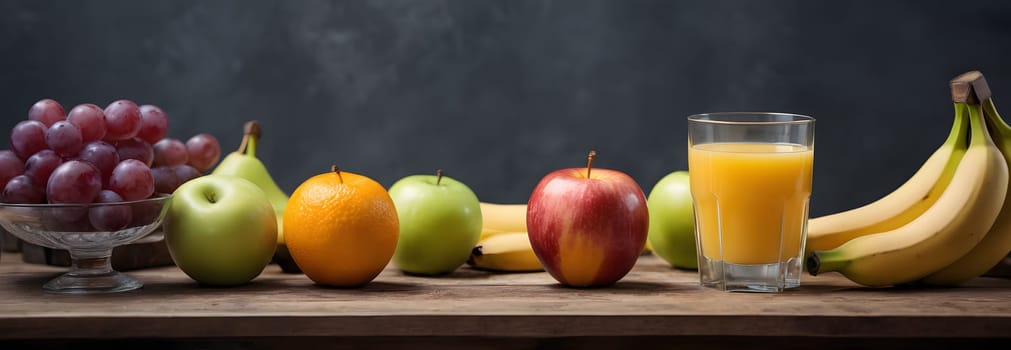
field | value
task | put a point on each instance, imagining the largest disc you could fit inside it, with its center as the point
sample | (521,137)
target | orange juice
(750,199)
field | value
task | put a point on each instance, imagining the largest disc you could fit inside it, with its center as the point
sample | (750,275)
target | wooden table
(652,306)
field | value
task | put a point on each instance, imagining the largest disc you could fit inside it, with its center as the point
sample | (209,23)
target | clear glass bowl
(69,227)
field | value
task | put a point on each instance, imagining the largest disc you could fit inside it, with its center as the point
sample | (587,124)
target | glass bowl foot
(108,282)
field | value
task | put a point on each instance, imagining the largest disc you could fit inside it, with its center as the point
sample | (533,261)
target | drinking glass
(750,176)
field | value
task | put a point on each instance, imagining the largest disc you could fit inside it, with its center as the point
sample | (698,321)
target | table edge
(125,327)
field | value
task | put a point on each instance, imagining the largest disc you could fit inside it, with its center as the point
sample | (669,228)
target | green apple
(440,222)
(220,230)
(672,220)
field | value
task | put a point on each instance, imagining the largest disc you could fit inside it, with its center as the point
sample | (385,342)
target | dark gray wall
(501,92)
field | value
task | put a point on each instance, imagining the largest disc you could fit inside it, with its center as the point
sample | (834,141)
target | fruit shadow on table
(268,284)
(465,273)
(979,285)
(28,283)
(628,287)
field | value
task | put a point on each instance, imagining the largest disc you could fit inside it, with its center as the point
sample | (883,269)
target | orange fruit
(341,228)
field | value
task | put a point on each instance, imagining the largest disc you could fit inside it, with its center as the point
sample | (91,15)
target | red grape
(204,151)
(132,180)
(28,137)
(153,124)
(46,111)
(169,152)
(10,166)
(74,181)
(40,166)
(67,219)
(90,119)
(21,190)
(64,138)
(103,156)
(185,173)
(135,149)
(165,179)
(122,120)
(109,217)
(145,213)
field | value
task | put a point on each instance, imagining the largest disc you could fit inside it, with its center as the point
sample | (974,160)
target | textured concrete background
(498,93)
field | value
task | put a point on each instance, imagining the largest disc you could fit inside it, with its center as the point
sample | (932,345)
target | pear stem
(250,133)
(438,177)
(334,168)
(251,147)
(253,130)
(243,144)
(589,162)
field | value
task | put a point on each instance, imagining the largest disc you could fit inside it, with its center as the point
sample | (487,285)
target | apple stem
(438,177)
(334,168)
(589,162)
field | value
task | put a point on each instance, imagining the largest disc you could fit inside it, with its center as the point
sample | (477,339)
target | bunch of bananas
(504,245)
(948,223)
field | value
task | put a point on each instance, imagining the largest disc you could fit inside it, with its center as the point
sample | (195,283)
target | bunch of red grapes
(94,155)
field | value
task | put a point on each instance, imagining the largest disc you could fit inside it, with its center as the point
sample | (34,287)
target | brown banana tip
(813,264)
(970,87)
(474,252)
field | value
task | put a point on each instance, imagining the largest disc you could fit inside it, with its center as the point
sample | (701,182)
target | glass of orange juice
(750,175)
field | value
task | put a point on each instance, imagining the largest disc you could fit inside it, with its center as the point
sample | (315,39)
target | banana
(901,206)
(502,218)
(997,243)
(944,233)
(506,252)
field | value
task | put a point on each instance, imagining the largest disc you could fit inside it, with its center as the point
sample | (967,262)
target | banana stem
(995,121)
(977,125)
(959,135)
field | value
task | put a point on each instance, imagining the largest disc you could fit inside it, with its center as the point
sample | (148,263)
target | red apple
(587,226)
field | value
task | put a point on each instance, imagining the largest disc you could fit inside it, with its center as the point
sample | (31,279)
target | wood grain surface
(651,301)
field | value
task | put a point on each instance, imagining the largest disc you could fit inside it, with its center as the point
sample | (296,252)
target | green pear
(243,163)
